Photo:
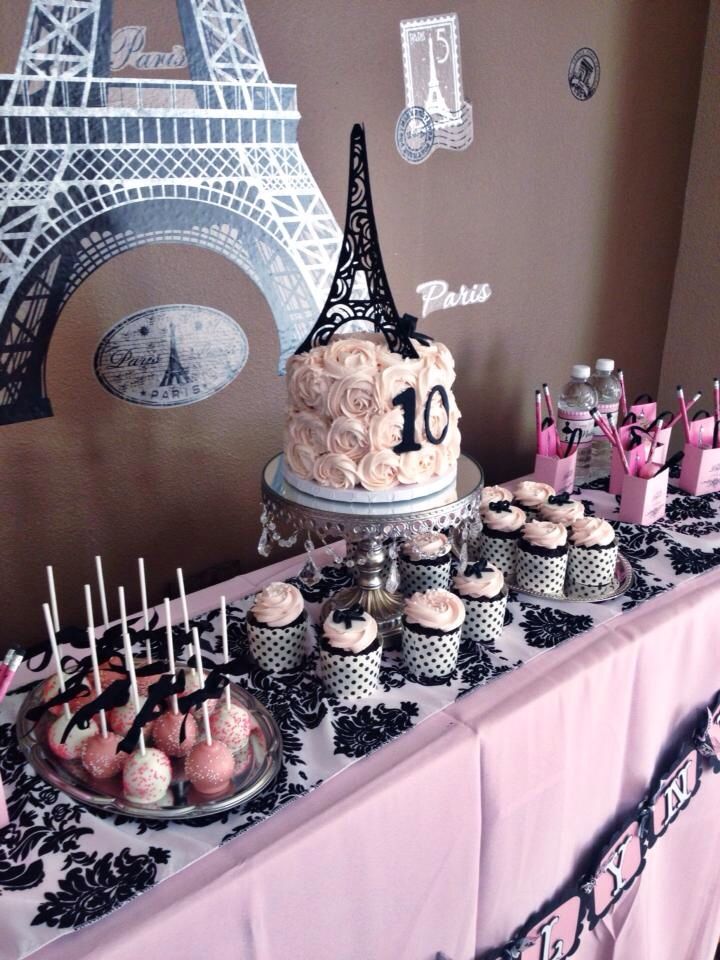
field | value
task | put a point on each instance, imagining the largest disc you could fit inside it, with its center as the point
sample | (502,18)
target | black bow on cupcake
(477,569)
(500,506)
(558,499)
(346,617)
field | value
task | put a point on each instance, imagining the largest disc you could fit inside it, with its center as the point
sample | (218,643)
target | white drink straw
(143,595)
(201,676)
(226,655)
(56,656)
(183,599)
(170,650)
(93,655)
(101,590)
(130,664)
(53,598)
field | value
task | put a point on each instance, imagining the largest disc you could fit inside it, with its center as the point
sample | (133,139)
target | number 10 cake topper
(350,299)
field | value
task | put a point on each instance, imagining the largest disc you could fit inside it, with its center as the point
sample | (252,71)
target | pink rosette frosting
(350,353)
(349,436)
(435,609)
(356,638)
(591,532)
(307,429)
(417,466)
(396,378)
(379,470)
(277,605)
(426,546)
(505,522)
(489,583)
(306,383)
(385,429)
(565,513)
(301,459)
(353,395)
(335,470)
(492,494)
(532,493)
(443,461)
(542,533)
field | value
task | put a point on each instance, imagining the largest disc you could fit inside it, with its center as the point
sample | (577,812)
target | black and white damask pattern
(63,866)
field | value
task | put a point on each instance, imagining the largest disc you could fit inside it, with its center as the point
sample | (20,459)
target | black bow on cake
(559,499)
(477,569)
(500,506)
(407,325)
(347,617)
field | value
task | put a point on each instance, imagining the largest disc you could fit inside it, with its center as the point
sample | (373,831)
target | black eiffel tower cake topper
(360,259)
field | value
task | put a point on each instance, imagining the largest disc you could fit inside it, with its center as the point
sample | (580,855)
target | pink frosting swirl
(353,395)
(488,584)
(532,493)
(417,466)
(426,546)
(356,638)
(350,353)
(379,470)
(492,494)
(349,436)
(505,522)
(436,609)
(385,429)
(301,459)
(542,533)
(396,378)
(444,461)
(335,470)
(308,429)
(306,383)
(277,605)
(565,513)
(591,532)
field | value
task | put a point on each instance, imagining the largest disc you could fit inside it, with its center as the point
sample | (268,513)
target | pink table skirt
(448,838)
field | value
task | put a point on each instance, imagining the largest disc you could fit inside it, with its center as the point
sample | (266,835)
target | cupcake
(502,528)
(542,558)
(592,556)
(432,624)
(531,494)
(492,494)
(277,622)
(481,587)
(350,654)
(424,563)
(561,509)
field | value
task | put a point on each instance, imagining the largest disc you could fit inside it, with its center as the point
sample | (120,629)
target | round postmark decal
(584,73)
(415,134)
(170,355)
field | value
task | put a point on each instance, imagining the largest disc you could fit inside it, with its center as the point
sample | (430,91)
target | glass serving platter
(254,769)
(578,593)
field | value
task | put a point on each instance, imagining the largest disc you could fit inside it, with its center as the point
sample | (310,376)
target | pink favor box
(643,501)
(4,818)
(700,471)
(617,474)
(559,472)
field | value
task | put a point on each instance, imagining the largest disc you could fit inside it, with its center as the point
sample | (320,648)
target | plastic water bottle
(607,387)
(573,413)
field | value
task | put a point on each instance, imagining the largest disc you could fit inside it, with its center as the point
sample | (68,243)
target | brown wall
(692,348)
(571,211)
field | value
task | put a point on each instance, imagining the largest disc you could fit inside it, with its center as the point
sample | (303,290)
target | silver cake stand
(367,528)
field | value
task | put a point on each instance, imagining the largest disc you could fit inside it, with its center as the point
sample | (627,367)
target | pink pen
(548,401)
(10,670)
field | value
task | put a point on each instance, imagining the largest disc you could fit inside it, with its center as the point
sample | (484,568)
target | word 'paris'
(437,295)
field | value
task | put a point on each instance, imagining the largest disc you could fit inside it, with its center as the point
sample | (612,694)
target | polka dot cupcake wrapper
(350,678)
(484,619)
(540,574)
(416,578)
(275,649)
(591,568)
(501,553)
(430,658)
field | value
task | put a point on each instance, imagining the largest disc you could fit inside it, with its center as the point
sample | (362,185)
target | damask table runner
(63,866)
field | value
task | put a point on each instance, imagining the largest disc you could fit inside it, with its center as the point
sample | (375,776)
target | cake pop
(229,722)
(209,765)
(122,718)
(166,729)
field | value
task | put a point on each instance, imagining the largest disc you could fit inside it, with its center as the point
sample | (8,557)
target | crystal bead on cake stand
(367,529)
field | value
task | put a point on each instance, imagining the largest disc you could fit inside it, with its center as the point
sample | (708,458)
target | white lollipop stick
(183,599)
(130,664)
(226,655)
(53,598)
(170,650)
(101,589)
(143,595)
(56,656)
(201,676)
(93,655)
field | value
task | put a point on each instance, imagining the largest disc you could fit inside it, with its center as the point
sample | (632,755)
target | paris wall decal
(436,114)
(171,355)
(93,165)
(127,50)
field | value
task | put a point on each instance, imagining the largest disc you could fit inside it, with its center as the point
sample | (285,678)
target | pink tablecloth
(448,838)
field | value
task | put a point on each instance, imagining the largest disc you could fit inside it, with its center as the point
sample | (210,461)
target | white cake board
(406,491)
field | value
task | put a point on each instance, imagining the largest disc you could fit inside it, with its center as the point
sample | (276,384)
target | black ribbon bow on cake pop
(477,569)
(559,499)
(500,506)
(348,617)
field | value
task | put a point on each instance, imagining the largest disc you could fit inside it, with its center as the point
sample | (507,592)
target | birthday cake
(371,414)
